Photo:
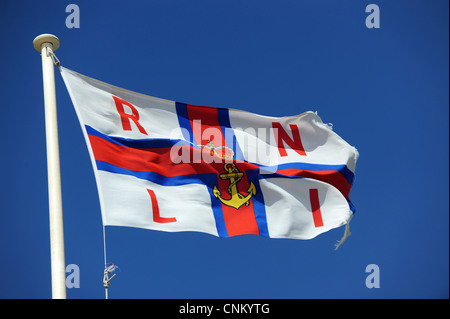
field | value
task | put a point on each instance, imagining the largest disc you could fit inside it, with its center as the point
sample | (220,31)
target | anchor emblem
(237,199)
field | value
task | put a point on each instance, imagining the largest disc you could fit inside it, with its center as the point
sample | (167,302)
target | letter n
(156,217)
(125,118)
(281,135)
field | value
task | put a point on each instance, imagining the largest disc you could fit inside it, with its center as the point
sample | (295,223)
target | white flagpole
(46,44)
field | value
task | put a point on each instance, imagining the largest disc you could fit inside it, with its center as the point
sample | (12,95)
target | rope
(104,244)
(53,56)
(109,267)
(105,274)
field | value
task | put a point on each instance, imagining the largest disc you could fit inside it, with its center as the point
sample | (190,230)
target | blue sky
(385,91)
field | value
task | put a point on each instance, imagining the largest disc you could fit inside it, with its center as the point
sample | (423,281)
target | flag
(171,166)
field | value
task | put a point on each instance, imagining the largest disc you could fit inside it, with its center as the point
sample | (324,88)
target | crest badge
(234,176)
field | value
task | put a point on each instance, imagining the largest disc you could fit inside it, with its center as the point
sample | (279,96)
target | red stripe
(208,119)
(331,177)
(158,160)
(148,160)
(315,207)
(237,221)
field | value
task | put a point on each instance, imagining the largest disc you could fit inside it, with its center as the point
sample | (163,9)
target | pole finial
(45,38)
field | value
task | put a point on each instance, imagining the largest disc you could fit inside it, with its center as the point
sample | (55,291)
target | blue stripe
(216,206)
(352,207)
(259,207)
(206,179)
(342,169)
(223,116)
(183,120)
(132,143)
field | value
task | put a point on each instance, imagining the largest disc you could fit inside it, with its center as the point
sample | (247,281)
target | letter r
(125,118)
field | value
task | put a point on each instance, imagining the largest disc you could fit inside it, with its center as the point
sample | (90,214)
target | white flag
(172,166)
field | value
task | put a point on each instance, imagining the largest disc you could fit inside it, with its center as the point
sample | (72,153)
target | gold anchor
(237,199)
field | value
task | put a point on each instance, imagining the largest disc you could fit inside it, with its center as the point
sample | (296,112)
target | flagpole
(46,44)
